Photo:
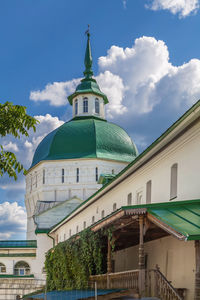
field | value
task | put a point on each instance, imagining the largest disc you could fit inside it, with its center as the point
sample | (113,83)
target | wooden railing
(120,280)
(159,286)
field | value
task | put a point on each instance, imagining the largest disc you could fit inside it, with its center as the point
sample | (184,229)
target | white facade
(88,105)
(181,149)
(48,182)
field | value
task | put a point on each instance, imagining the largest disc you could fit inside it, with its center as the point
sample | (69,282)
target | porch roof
(183,217)
(179,218)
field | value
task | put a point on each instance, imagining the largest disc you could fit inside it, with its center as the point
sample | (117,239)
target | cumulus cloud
(56,93)
(27,146)
(113,86)
(183,8)
(12,220)
(11,147)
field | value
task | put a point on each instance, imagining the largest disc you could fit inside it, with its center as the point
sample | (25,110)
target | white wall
(55,190)
(91,106)
(175,258)
(184,151)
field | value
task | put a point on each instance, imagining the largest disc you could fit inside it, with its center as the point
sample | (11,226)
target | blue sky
(146,57)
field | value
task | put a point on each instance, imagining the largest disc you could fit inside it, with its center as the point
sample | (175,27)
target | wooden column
(141,258)
(109,266)
(197,271)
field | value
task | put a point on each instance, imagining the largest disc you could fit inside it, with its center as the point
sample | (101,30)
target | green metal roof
(181,216)
(86,137)
(18,244)
(88,86)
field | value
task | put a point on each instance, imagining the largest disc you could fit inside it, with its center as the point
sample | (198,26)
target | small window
(84,224)
(139,197)
(85,105)
(63,175)
(96,174)
(173,183)
(97,106)
(77,229)
(93,219)
(77,175)
(114,206)
(70,233)
(103,214)
(64,236)
(76,107)
(43,180)
(148,192)
(129,199)
(2,268)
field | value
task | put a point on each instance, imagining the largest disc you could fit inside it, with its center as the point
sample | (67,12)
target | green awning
(183,217)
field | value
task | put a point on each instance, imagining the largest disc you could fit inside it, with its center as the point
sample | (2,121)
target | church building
(88,173)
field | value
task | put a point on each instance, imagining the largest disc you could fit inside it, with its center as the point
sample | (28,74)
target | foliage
(15,121)
(70,263)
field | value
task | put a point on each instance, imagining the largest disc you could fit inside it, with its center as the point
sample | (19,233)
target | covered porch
(140,237)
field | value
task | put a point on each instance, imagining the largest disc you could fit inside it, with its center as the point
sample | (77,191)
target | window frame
(76,107)
(85,105)
(174,181)
(97,106)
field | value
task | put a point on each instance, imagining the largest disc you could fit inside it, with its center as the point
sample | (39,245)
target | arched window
(84,224)
(70,233)
(148,191)
(2,268)
(97,106)
(103,214)
(77,229)
(76,107)
(21,268)
(129,199)
(85,105)
(173,183)
(93,219)
(114,206)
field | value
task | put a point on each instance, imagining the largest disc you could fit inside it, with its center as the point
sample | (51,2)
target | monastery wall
(177,261)
(184,151)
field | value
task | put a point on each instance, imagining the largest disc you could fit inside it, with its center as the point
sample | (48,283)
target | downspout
(52,239)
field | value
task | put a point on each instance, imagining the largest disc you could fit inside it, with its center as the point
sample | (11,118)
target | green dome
(86,137)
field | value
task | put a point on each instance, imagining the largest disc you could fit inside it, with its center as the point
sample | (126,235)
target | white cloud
(27,146)
(182,7)
(112,85)
(12,220)
(148,78)
(11,147)
(56,93)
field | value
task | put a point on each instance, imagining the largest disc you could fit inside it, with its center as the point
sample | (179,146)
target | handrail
(163,288)
(126,279)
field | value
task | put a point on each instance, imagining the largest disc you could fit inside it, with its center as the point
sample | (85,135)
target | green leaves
(70,263)
(14,121)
